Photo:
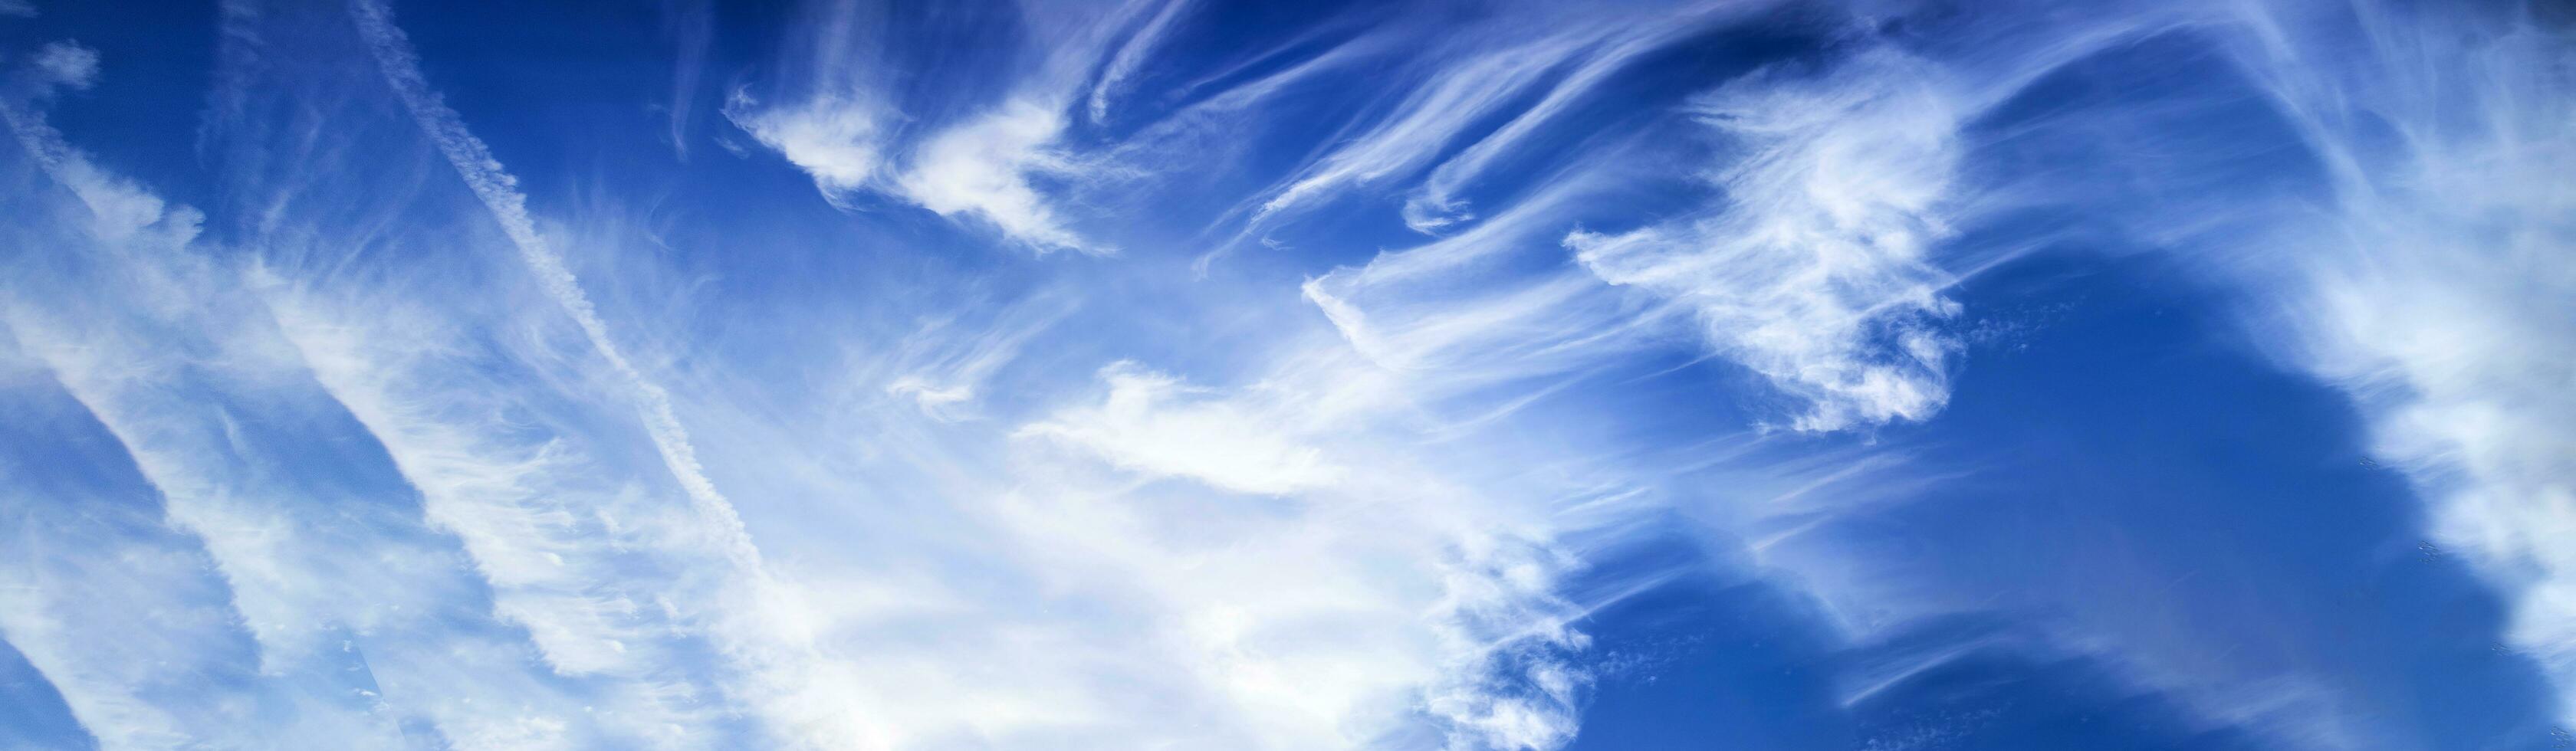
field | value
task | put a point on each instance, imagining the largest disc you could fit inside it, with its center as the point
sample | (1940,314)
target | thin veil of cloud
(1388,338)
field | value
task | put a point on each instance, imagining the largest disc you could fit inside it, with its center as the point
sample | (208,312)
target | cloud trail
(291,543)
(499,190)
(790,685)
(1131,55)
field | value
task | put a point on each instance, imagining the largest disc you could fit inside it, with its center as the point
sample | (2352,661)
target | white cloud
(1155,424)
(161,360)
(498,191)
(983,169)
(834,140)
(66,64)
(1436,204)
(163,632)
(1816,272)
(750,614)
(1131,55)
(1316,552)
(1283,560)
(1478,72)
(119,210)
(1455,95)
(1342,532)
(549,536)
(88,564)
(988,168)
(1377,585)
(944,364)
(2436,288)
(334,590)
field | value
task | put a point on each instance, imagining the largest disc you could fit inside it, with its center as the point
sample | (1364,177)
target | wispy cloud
(743,611)
(2431,287)
(386,447)
(1816,272)
(1131,55)
(1453,96)
(835,140)
(837,120)
(1153,423)
(2373,283)
(499,191)
(691,26)
(66,64)
(984,169)
(162,363)
(1437,204)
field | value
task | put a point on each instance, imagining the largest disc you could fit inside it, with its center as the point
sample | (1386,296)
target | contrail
(794,684)
(499,192)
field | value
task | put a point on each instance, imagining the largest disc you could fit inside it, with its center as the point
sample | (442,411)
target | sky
(1512,375)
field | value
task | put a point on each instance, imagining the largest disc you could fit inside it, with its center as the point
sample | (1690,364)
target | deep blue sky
(1191,374)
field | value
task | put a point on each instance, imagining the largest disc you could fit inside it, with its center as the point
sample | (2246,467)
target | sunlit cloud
(1515,376)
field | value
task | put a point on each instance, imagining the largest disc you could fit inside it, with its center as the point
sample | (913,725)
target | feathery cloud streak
(1396,341)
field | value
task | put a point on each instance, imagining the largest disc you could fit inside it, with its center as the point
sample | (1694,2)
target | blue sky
(1183,374)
